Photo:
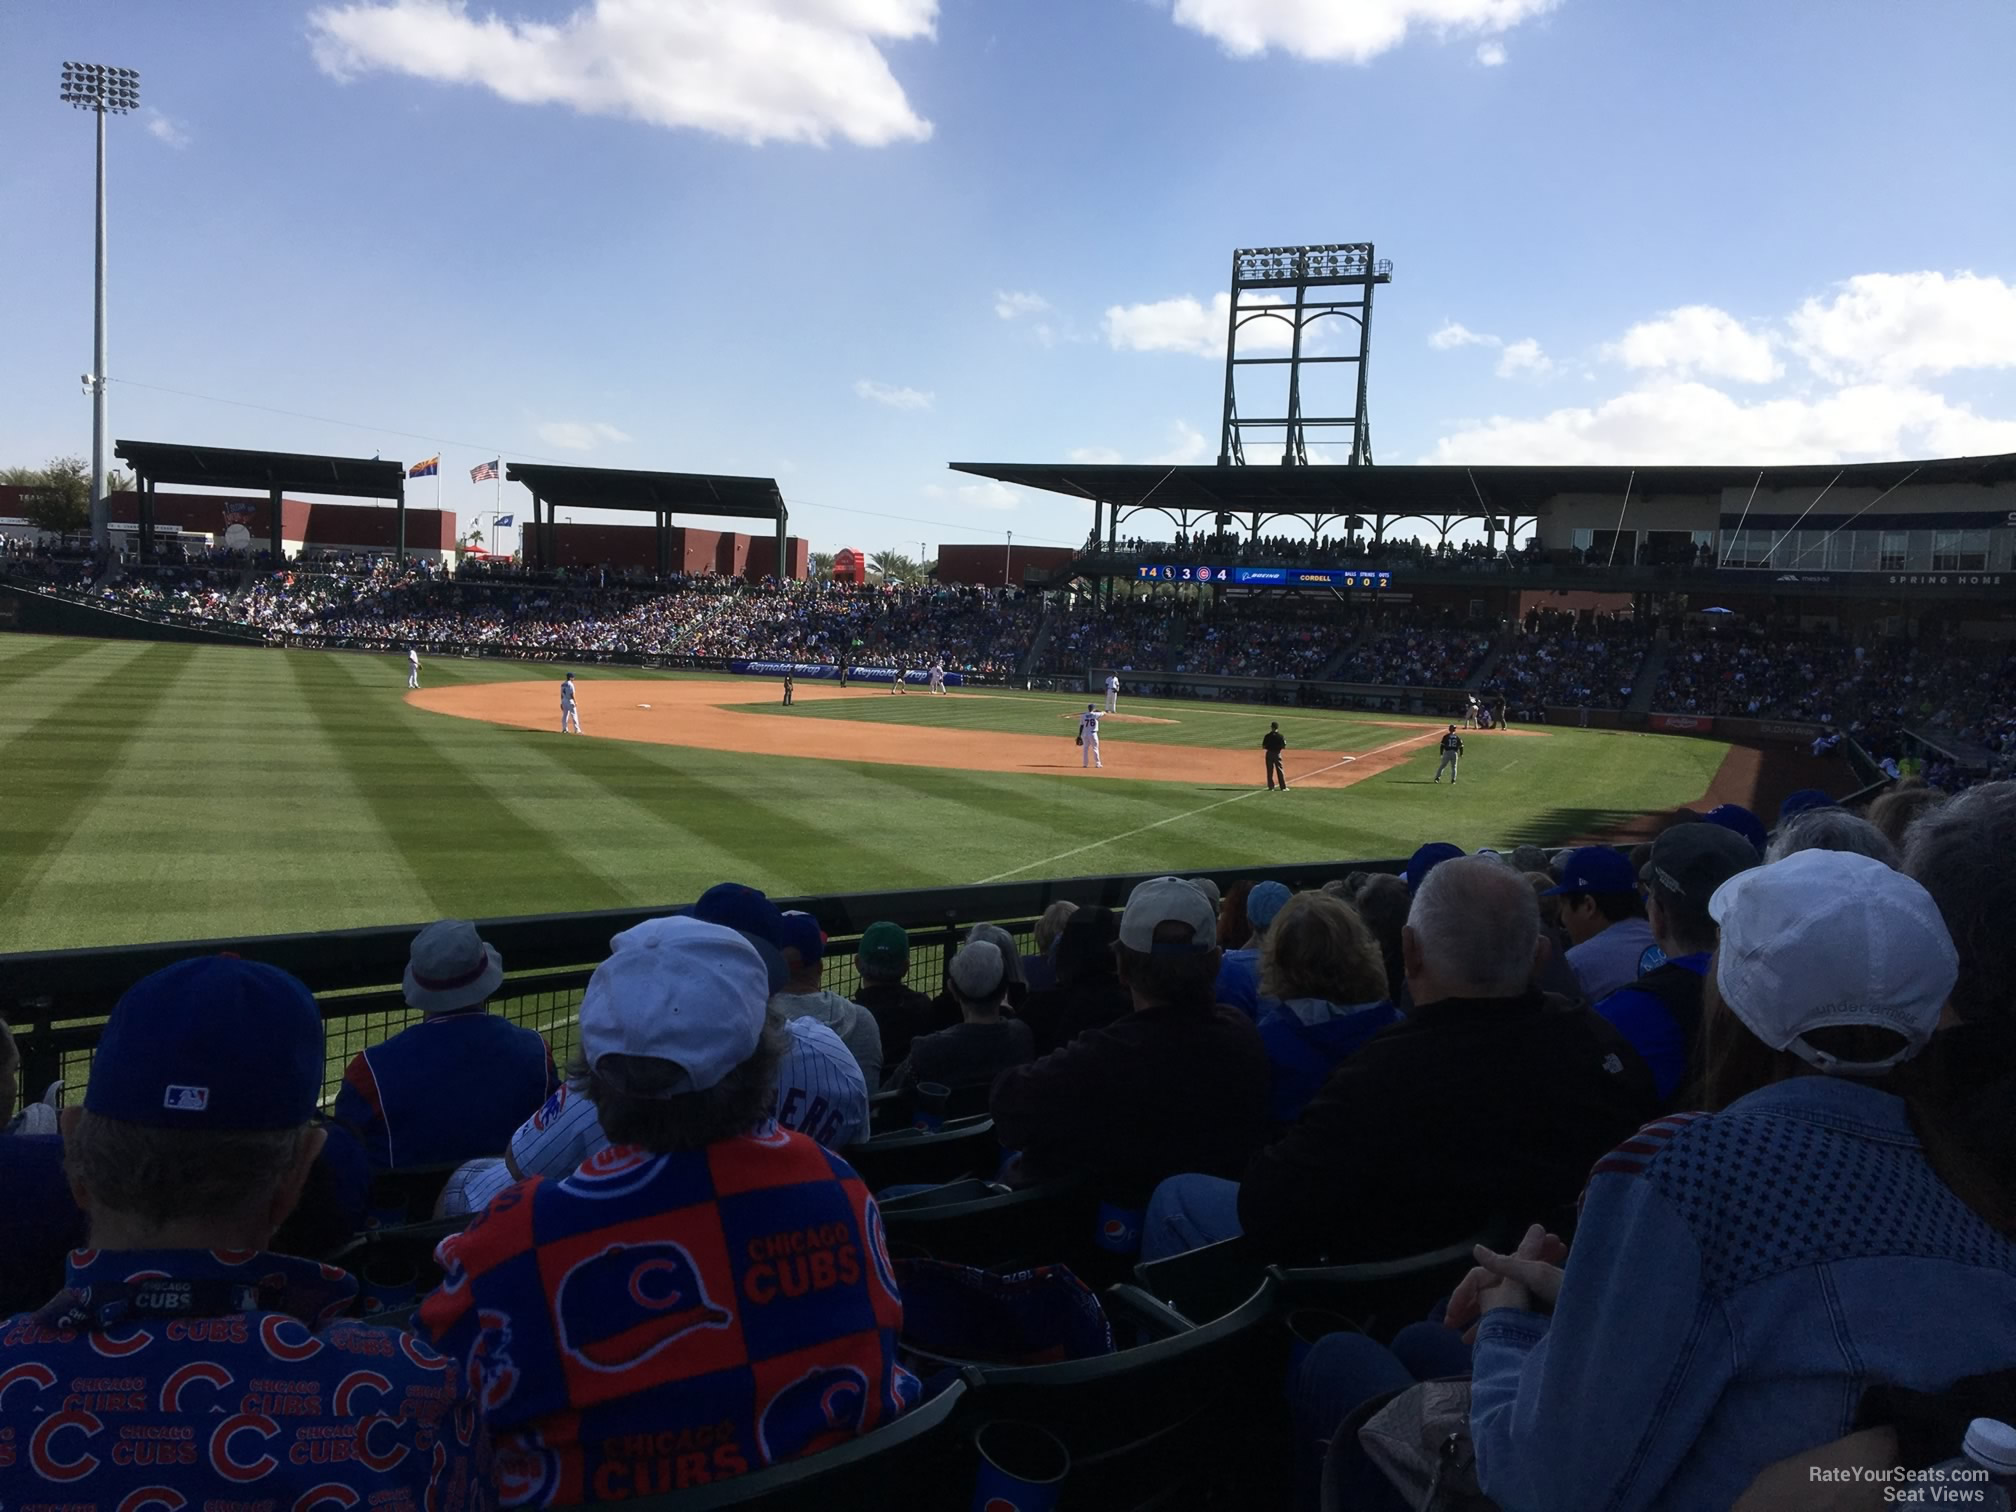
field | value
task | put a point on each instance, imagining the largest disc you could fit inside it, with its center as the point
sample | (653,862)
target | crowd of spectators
(1242,643)
(1359,551)
(1129,634)
(1417,653)
(1691,1097)
(1567,659)
(1756,673)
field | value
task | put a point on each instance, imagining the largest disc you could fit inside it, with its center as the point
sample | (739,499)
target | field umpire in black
(1273,744)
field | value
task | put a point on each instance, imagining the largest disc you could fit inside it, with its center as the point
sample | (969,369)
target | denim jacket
(1737,1280)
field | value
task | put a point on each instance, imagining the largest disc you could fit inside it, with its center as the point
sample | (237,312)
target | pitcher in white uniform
(1088,736)
(570,717)
(412,668)
(1112,693)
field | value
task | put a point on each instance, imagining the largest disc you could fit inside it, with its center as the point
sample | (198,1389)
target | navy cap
(1733,816)
(742,909)
(1427,859)
(803,934)
(215,1044)
(1596,869)
(1803,800)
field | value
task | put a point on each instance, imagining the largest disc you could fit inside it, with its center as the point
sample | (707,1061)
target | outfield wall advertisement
(822,672)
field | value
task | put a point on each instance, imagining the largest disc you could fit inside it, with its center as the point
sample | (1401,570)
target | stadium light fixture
(104,91)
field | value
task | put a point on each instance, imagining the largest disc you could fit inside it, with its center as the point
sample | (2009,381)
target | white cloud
(1352,31)
(1699,340)
(1524,359)
(1188,448)
(988,495)
(1094,456)
(1682,422)
(1013,305)
(752,70)
(164,128)
(1900,325)
(893,396)
(1491,54)
(1450,335)
(578,435)
(1184,325)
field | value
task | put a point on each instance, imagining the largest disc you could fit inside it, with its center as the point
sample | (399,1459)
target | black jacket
(1062,1013)
(1465,1111)
(1154,1094)
(900,1012)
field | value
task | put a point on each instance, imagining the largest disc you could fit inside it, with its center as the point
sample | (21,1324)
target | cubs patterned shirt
(654,1322)
(164,1380)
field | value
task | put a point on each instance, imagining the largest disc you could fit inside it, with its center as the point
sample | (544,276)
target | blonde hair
(1318,947)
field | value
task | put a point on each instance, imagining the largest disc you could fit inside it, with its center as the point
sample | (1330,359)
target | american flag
(483,472)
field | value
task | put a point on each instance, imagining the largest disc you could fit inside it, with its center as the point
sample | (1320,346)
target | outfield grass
(160,792)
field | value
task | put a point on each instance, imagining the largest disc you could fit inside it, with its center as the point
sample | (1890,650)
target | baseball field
(165,792)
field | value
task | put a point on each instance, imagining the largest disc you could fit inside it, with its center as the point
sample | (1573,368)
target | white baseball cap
(1167,900)
(681,991)
(1827,939)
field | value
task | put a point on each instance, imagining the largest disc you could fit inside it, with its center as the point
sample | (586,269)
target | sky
(845,242)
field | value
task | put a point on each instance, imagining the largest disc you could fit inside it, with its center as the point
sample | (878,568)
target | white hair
(1477,923)
(1835,830)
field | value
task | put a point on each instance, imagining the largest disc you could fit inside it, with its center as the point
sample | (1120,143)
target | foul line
(1192,813)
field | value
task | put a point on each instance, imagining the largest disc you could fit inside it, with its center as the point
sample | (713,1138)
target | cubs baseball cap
(1427,859)
(978,970)
(885,947)
(1167,900)
(1801,801)
(1597,869)
(216,1045)
(750,914)
(1733,816)
(678,990)
(1831,939)
(803,934)
(1264,902)
(1692,860)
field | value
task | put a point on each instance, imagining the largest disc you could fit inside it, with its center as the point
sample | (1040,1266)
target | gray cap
(1692,860)
(978,972)
(1210,890)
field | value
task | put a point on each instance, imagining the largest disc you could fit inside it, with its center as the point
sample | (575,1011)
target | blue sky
(843,242)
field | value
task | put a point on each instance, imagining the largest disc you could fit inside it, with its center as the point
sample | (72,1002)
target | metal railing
(56,1001)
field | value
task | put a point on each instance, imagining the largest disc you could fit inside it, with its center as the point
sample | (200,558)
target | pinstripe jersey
(820,1092)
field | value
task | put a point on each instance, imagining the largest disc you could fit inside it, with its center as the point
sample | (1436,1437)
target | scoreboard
(1265,577)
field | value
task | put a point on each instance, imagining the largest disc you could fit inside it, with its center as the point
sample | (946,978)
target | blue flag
(504,519)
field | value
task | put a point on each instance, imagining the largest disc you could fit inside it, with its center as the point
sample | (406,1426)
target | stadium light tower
(105,91)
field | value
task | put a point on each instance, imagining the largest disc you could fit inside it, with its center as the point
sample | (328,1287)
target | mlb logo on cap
(186,1099)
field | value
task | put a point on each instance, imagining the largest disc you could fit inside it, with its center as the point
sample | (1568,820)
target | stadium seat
(1203,1283)
(413,1191)
(1181,1420)
(963,1148)
(977,1224)
(397,1262)
(927,1453)
(1382,1296)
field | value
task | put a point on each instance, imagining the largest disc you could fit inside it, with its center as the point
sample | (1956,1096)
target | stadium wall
(33,612)
(304,524)
(693,550)
(991,565)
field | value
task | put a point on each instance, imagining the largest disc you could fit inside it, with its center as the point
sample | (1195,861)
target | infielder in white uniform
(1088,736)
(412,668)
(1112,694)
(938,676)
(570,717)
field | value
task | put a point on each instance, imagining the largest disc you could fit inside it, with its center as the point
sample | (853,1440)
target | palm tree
(895,567)
(822,564)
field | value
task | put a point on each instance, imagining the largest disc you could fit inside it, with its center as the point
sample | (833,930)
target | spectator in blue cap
(194,1143)
(1427,859)
(1604,914)
(804,996)
(1239,971)
(1803,800)
(1733,816)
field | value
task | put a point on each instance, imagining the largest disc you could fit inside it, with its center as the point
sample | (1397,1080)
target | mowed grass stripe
(25,658)
(68,757)
(426,784)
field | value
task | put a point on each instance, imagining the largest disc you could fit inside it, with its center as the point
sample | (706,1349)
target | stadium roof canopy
(1437,490)
(270,473)
(659,494)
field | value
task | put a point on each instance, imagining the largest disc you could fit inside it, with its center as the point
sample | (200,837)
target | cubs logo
(421,1354)
(111,1348)
(345,1396)
(165,1497)
(368,1440)
(878,1252)
(616,1171)
(769,1134)
(631,1301)
(549,1110)
(526,1473)
(42,1453)
(287,1339)
(244,1472)
(209,1371)
(1000,1504)
(492,1376)
(322,1498)
(39,1376)
(823,1407)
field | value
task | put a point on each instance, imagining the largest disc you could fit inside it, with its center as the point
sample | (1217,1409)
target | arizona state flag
(425,469)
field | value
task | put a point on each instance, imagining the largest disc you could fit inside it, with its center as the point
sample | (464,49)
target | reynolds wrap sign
(1686,724)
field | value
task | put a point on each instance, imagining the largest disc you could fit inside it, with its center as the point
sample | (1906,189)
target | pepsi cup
(931,1100)
(1021,1467)
(1118,1230)
(389,1282)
